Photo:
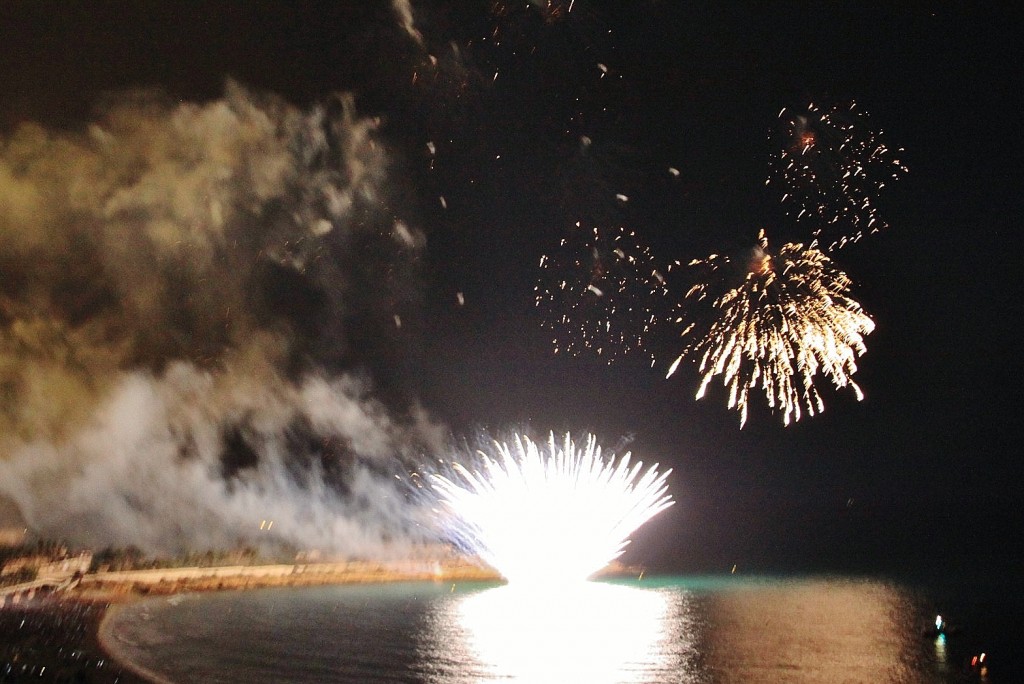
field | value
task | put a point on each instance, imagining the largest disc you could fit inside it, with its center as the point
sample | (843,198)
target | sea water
(662,630)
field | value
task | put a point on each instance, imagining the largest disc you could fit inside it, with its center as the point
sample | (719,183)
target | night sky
(923,472)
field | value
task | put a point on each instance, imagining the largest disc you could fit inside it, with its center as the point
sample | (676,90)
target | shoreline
(169,581)
(107,642)
(120,593)
(69,635)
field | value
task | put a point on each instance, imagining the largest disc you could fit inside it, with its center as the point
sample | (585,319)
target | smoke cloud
(403,10)
(192,297)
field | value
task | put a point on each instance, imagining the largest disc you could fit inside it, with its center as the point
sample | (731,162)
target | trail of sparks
(830,168)
(553,515)
(789,320)
(599,292)
(550,10)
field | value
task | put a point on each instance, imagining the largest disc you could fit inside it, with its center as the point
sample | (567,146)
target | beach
(60,636)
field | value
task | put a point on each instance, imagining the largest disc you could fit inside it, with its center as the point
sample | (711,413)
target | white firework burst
(548,515)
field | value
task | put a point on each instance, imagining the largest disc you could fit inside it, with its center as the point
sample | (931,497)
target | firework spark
(599,292)
(550,10)
(789,319)
(559,514)
(830,166)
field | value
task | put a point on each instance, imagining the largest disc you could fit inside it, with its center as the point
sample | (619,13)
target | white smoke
(149,471)
(178,283)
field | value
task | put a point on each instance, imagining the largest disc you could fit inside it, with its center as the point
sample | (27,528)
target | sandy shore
(108,642)
(111,586)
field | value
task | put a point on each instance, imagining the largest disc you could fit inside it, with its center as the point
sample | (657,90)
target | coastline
(107,642)
(116,593)
(78,621)
(68,635)
(169,581)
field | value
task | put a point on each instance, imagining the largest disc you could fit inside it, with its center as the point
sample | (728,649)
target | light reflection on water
(679,631)
(586,632)
(815,631)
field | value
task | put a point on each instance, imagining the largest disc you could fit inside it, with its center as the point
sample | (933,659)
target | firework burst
(548,515)
(600,293)
(830,166)
(789,319)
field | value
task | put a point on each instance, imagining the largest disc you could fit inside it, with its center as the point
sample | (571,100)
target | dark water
(677,630)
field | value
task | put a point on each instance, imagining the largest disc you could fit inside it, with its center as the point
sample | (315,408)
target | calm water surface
(658,631)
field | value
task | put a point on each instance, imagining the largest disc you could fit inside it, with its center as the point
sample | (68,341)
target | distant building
(48,567)
(310,556)
(23,563)
(66,568)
